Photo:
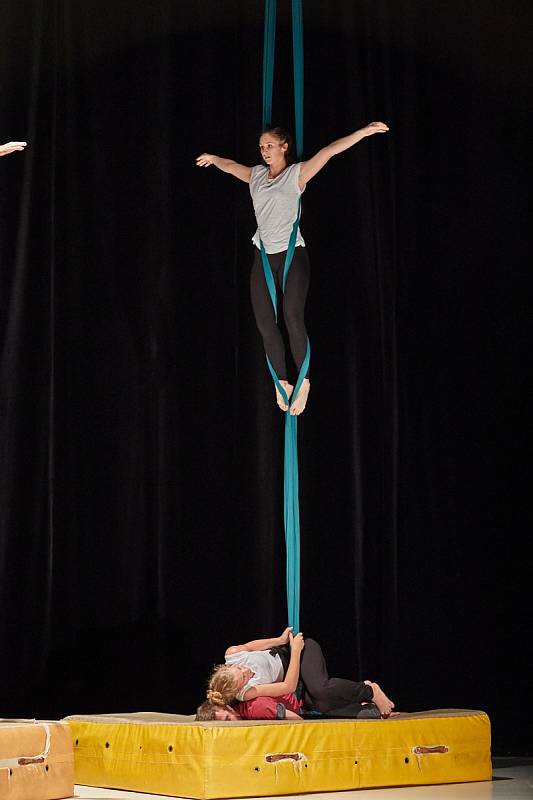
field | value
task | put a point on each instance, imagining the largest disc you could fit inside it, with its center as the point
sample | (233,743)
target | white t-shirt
(276,207)
(266,668)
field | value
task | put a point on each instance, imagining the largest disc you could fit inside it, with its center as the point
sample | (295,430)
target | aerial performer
(11,147)
(276,187)
(272,668)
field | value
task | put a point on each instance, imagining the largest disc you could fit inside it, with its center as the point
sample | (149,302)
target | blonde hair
(222,687)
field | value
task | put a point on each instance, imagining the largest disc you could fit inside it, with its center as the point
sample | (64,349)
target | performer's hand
(284,638)
(205,160)
(11,147)
(375,127)
(297,642)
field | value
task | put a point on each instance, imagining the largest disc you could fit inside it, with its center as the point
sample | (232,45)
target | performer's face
(226,714)
(242,674)
(272,149)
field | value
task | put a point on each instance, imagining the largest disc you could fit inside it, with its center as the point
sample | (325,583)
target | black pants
(293,307)
(336,697)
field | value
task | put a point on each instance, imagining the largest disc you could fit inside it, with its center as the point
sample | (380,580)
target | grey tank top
(276,206)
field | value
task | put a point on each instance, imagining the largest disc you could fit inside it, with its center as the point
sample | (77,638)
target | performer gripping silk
(276,187)
(272,668)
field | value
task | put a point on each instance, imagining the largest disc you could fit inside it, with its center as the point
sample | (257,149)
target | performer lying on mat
(269,668)
(11,147)
(275,189)
(285,707)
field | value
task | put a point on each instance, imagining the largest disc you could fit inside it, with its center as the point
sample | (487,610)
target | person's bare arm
(311,167)
(226,165)
(11,147)
(260,644)
(290,681)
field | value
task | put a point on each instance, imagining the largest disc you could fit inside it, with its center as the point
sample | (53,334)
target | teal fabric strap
(298,70)
(268,59)
(291,479)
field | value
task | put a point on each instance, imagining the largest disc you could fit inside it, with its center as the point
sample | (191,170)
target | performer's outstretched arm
(310,168)
(226,165)
(11,147)
(261,644)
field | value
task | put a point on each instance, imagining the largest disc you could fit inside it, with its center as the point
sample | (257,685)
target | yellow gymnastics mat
(174,755)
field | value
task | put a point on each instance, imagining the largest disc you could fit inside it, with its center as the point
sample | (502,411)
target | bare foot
(301,399)
(381,700)
(288,389)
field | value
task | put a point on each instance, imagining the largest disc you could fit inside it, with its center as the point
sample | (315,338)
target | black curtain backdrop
(141,450)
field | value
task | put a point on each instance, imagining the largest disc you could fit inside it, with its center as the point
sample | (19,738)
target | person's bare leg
(301,398)
(288,390)
(384,704)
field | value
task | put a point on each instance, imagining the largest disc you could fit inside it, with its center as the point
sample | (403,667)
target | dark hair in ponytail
(285,137)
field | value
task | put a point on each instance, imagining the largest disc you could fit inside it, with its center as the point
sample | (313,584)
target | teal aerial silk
(269,43)
(291,488)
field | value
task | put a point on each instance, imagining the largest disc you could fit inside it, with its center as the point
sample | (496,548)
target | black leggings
(338,697)
(293,307)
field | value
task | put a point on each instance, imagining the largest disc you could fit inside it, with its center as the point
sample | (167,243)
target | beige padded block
(36,760)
